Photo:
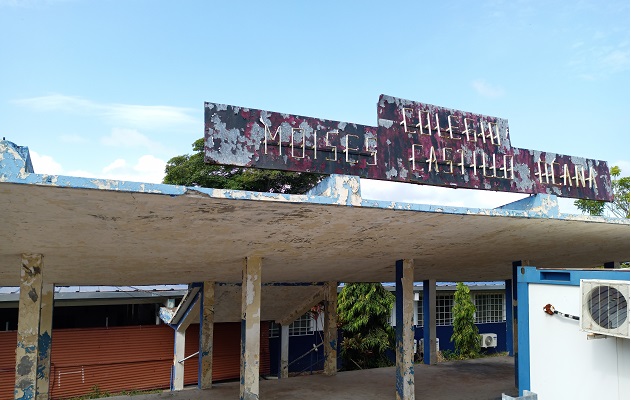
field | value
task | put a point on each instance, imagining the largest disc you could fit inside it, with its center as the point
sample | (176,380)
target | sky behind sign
(113,89)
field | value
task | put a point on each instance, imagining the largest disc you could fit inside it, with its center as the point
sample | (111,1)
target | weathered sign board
(413,142)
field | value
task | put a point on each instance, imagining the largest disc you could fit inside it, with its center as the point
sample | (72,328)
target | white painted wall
(563,363)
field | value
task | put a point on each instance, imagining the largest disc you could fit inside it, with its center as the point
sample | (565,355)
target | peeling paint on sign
(413,142)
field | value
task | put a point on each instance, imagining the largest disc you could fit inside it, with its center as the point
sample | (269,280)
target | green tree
(465,336)
(191,170)
(363,311)
(620,205)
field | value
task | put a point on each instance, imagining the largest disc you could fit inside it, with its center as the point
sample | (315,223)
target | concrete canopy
(97,232)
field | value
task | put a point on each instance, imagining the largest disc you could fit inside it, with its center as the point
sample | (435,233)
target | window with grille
(419,311)
(489,307)
(300,327)
(444,304)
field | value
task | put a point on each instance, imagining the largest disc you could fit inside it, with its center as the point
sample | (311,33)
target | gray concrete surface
(480,379)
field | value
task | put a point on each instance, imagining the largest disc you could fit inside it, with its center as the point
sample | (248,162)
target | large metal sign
(413,142)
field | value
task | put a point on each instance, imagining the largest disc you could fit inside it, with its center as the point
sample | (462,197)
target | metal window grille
(300,327)
(444,304)
(489,307)
(419,311)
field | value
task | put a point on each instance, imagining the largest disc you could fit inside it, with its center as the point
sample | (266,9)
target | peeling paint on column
(250,328)
(404,330)
(45,341)
(26,354)
(330,329)
(205,378)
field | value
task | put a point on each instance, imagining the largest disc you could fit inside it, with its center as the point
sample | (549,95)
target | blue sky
(114,89)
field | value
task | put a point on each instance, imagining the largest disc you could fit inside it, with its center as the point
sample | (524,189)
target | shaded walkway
(481,379)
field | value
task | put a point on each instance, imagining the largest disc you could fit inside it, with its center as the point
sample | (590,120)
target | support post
(516,267)
(45,341)
(26,353)
(330,329)
(207,321)
(508,304)
(284,352)
(177,380)
(429,322)
(405,330)
(250,328)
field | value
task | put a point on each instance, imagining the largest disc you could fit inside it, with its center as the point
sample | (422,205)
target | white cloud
(485,89)
(147,168)
(43,164)
(139,116)
(129,138)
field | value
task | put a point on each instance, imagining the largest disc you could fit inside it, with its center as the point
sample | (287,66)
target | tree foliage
(191,170)
(363,311)
(465,337)
(620,205)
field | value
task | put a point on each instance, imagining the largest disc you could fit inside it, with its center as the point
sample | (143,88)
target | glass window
(300,327)
(489,307)
(444,304)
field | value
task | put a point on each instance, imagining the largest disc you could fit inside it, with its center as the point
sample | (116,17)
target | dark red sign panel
(413,142)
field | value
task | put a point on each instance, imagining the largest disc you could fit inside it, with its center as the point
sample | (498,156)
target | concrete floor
(480,379)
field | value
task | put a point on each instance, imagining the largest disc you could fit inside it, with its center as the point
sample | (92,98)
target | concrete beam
(405,330)
(250,328)
(284,352)
(429,322)
(207,318)
(303,307)
(330,329)
(26,353)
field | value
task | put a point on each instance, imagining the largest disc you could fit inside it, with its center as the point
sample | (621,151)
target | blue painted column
(206,331)
(517,266)
(250,328)
(508,304)
(522,364)
(44,342)
(404,330)
(26,353)
(429,322)
(330,329)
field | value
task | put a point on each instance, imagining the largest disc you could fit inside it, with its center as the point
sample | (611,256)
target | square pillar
(45,341)
(508,304)
(26,353)
(330,329)
(207,321)
(283,371)
(250,328)
(405,330)
(429,322)
(177,374)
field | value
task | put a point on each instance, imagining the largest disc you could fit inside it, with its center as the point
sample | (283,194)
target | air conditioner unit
(605,307)
(488,340)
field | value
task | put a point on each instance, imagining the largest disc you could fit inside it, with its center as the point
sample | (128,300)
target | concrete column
(330,329)
(45,341)
(207,320)
(250,328)
(516,267)
(508,303)
(26,353)
(177,379)
(284,352)
(429,322)
(405,330)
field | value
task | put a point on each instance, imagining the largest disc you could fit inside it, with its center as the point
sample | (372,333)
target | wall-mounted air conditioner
(605,307)
(488,340)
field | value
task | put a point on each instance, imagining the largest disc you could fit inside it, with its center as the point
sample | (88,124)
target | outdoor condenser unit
(488,340)
(605,307)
